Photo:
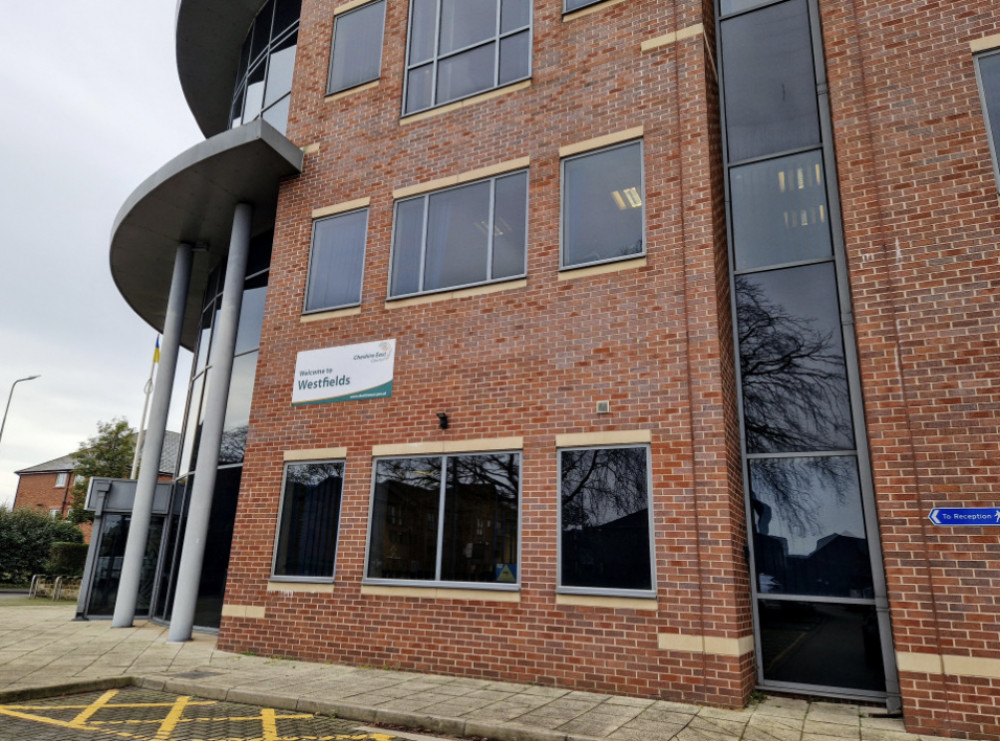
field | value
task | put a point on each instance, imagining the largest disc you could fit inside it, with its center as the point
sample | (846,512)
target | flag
(156,351)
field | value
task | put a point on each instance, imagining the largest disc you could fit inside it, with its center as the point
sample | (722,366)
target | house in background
(48,486)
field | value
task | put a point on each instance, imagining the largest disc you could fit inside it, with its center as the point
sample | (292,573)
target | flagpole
(145,410)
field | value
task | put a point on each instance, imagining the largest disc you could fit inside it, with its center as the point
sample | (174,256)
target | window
(461,236)
(771,104)
(604,525)
(602,210)
(457,48)
(264,76)
(451,519)
(356,56)
(61,479)
(310,512)
(988,72)
(572,5)
(53,513)
(78,479)
(336,261)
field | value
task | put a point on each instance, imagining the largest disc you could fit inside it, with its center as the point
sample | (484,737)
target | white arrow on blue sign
(965,516)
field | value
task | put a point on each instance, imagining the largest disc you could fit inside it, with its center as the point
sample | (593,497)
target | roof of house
(168,458)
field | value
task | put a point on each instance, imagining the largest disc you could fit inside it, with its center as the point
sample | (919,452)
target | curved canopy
(191,200)
(210,35)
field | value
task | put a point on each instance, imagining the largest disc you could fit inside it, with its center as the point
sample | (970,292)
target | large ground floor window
(446,519)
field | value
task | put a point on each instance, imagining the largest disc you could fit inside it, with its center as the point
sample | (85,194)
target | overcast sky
(90,106)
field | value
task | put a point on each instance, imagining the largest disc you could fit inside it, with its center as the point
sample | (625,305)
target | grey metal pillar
(220,374)
(135,545)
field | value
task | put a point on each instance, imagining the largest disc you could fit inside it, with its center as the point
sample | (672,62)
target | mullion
(490,228)
(441,516)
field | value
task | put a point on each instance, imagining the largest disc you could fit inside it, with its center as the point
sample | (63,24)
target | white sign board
(344,373)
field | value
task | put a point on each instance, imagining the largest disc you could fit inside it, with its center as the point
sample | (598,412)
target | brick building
(48,486)
(627,346)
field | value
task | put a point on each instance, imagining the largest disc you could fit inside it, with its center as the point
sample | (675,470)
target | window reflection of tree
(796,399)
(233,445)
(602,485)
(605,519)
(795,395)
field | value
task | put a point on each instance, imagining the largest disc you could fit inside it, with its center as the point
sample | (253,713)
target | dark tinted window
(604,519)
(795,392)
(404,519)
(310,513)
(822,644)
(476,494)
(769,81)
(809,530)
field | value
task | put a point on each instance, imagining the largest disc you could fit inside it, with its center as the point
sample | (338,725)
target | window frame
(310,268)
(563,221)
(437,582)
(436,57)
(281,515)
(990,125)
(337,18)
(606,591)
(62,478)
(426,196)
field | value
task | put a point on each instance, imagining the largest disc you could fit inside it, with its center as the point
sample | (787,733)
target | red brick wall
(529,362)
(920,218)
(921,221)
(39,491)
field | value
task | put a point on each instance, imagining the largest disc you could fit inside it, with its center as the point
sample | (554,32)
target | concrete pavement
(44,652)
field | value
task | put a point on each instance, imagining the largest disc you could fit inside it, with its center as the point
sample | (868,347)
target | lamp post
(9,397)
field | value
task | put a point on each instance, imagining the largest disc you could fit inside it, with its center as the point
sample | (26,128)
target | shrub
(26,538)
(67,559)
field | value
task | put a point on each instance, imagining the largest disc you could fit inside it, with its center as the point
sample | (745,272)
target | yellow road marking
(268,719)
(80,721)
(231,718)
(268,724)
(109,705)
(58,723)
(173,717)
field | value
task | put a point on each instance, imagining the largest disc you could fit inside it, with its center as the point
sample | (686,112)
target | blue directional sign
(965,516)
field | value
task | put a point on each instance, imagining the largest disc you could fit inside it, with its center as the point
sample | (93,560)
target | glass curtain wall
(208,608)
(264,75)
(819,590)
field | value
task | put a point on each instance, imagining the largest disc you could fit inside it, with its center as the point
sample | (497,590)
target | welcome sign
(344,373)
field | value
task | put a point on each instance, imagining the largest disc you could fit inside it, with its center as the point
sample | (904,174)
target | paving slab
(42,649)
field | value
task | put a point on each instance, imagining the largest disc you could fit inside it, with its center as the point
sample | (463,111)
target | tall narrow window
(461,236)
(310,512)
(458,48)
(603,205)
(604,533)
(988,72)
(814,553)
(356,56)
(452,519)
(336,261)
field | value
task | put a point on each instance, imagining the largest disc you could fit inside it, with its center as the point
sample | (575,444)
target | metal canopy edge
(191,199)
